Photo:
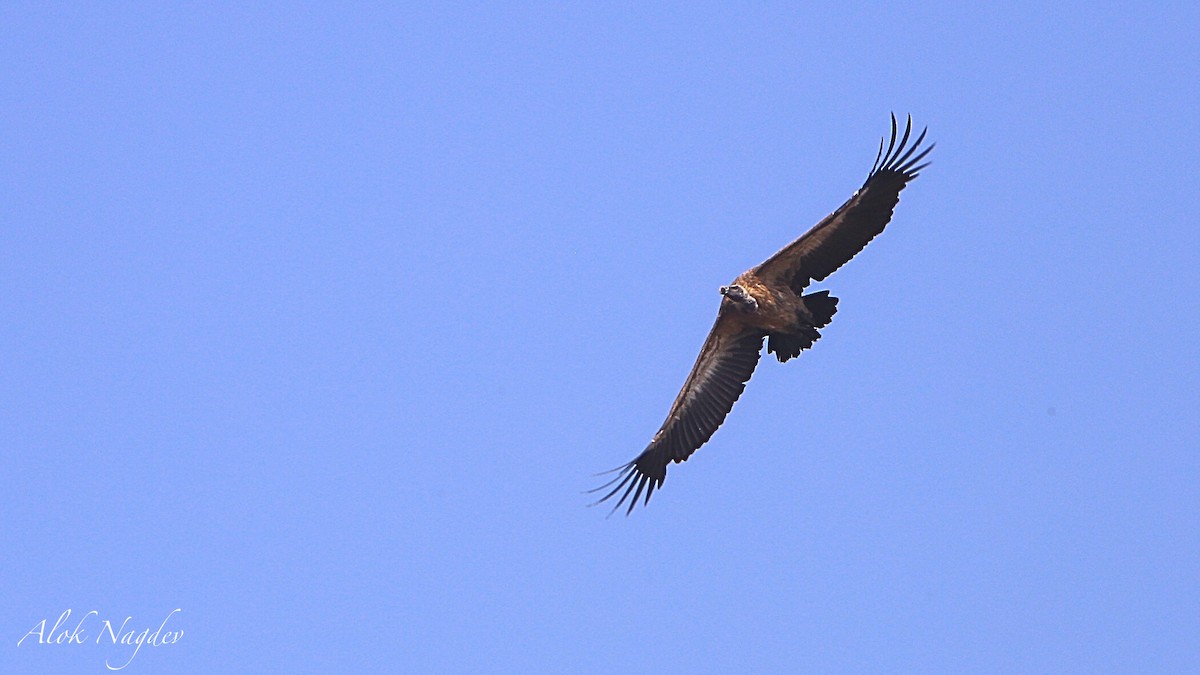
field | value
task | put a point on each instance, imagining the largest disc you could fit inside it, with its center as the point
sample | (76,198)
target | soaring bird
(768,301)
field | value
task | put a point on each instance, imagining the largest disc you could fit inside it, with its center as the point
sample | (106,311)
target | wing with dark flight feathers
(838,238)
(717,379)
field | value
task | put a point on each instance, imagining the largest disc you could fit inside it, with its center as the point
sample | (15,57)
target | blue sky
(320,319)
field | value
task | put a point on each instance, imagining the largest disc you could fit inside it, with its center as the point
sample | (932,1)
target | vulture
(768,301)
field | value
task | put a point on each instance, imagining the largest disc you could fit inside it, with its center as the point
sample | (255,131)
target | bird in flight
(768,301)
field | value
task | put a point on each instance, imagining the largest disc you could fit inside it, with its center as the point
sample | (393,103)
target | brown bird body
(768,301)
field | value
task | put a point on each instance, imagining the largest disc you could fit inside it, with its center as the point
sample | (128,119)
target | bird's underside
(769,302)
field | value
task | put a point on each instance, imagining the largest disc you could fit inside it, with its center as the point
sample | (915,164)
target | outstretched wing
(725,364)
(838,238)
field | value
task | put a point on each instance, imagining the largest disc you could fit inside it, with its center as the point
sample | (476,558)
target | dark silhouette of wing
(838,238)
(725,364)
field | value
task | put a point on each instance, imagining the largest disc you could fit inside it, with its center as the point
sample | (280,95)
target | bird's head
(740,297)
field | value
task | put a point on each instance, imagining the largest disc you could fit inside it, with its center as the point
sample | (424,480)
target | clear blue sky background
(318,320)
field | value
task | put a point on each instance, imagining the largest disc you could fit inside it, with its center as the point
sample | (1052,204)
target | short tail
(788,346)
(822,306)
